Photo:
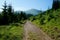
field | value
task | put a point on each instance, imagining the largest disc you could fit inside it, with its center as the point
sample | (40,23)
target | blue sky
(28,4)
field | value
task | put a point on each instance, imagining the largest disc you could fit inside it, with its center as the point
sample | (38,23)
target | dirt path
(31,32)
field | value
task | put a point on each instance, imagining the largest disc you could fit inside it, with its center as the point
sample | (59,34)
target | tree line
(8,15)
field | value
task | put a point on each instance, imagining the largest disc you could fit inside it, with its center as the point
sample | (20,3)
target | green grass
(33,36)
(11,32)
(53,30)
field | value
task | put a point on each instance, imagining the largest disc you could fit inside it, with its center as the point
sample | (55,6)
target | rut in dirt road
(31,32)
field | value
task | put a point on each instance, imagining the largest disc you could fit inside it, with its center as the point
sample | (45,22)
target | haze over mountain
(33,11)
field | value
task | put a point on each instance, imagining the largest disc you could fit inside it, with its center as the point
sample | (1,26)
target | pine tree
(4,13)
(10,13)
(56,4)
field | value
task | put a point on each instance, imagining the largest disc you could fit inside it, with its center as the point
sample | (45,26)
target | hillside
(33,11)
(49,22)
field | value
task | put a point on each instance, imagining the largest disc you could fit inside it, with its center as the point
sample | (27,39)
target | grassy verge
(11,32)
(33,36)
(52,28)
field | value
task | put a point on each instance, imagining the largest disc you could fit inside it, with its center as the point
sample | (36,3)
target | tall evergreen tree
(10,13)
(56,4)
(4,13)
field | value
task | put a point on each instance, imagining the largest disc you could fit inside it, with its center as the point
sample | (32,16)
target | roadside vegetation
(11,23)
(49,21)
(11,32)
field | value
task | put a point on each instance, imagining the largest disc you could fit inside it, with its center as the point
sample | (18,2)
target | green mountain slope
(49,22)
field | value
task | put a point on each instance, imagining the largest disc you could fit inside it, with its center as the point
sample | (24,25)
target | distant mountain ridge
(30,11)
(33,11)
